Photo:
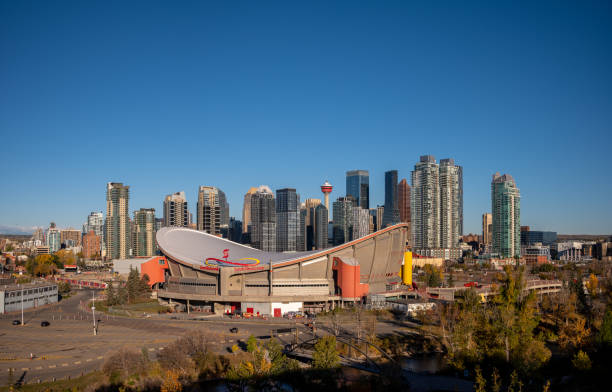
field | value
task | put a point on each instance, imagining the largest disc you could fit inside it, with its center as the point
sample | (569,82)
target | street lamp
(22,306)
(93,311)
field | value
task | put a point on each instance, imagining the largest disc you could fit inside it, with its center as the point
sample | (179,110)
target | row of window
(31,291)
(197,284)
(289,285)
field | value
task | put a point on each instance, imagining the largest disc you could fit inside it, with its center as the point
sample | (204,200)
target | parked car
(16,322)
(44,323)
(234,330)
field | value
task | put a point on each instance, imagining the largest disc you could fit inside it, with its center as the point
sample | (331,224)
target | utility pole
(93,312)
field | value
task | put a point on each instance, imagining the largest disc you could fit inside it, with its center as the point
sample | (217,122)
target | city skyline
(450,81)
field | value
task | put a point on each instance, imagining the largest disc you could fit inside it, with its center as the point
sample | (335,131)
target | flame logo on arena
(244,262)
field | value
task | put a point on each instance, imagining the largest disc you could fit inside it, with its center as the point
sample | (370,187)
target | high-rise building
(436,204)
(425,204)
(301,239)
(54,241)
(209,210)
(235,230)
(358,186)
(506,207)
(70,237)
(391,214)
(361,223)
(287,220)
(144,233)
(403,192)
(487,227)
(117,235)
(343,219)
(310,205)
(176,212)
(95,222)
(460,202)
(246,210)
(380,214)
(38,237)
(321,218)
(450,208)
(223,208)
(263,219)
(91,245)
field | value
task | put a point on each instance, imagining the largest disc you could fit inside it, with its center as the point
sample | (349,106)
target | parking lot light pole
(22,307)
(93,311)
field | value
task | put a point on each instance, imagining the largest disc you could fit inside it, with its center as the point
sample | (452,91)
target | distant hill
(4,229)
(16,237)
(583,237)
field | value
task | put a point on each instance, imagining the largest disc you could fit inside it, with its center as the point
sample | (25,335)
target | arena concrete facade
(205,269)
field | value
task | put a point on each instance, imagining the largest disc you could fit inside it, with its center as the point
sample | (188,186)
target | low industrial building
(28,295)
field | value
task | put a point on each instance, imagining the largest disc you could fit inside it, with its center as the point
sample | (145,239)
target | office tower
(70,237)
(301,240)
(380,213)
(95,222)
(343,219)
(358,186)
(450,208)
(176,212)
(235,230)
(506,207)
(310,205)
(321,217)
(487,227)
(391,214)
(54,241)
(326,188)
(425,204)
(91,245)
(263,219)
(372,220)
(209,210)
(403,192)
(144,233)
(403,195)
(117,235)
(223,209)
(361,222)
(287,219)
(246,210)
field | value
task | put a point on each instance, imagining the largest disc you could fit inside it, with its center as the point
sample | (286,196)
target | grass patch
(131,310)
(79,384)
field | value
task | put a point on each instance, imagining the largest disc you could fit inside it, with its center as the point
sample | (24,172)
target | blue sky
(167,96)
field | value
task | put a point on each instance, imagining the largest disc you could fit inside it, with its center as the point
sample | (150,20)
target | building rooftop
(25,286)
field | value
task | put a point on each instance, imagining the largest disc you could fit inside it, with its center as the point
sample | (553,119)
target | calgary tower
(326,188)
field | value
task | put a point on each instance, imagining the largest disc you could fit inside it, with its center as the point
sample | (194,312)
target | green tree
(325,355)
(581,361)
(604,336)
(111,295)
(251,344)
(433,275)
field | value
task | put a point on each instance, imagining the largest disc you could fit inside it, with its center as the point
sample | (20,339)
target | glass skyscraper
(358,186)
(288,228)
(391,214)
(263,219)
(506,207)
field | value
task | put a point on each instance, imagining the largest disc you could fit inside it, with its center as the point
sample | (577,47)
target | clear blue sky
(167,96)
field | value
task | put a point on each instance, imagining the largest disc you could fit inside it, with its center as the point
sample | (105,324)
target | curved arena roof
(195,247)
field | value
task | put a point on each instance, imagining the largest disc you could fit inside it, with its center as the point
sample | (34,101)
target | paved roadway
(68,347)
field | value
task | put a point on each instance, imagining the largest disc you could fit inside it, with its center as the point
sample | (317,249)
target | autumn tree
(325,355)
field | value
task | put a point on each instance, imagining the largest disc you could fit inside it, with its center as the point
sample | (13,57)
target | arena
(199,269)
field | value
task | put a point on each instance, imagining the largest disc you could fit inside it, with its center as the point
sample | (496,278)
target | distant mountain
(18,230)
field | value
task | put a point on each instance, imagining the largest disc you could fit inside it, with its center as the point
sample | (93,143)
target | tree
(251,344)
(480,382)
(171,382)
(325,355)
(581,361)
(592,285)
(604,336)
(111,295)
(433,275)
